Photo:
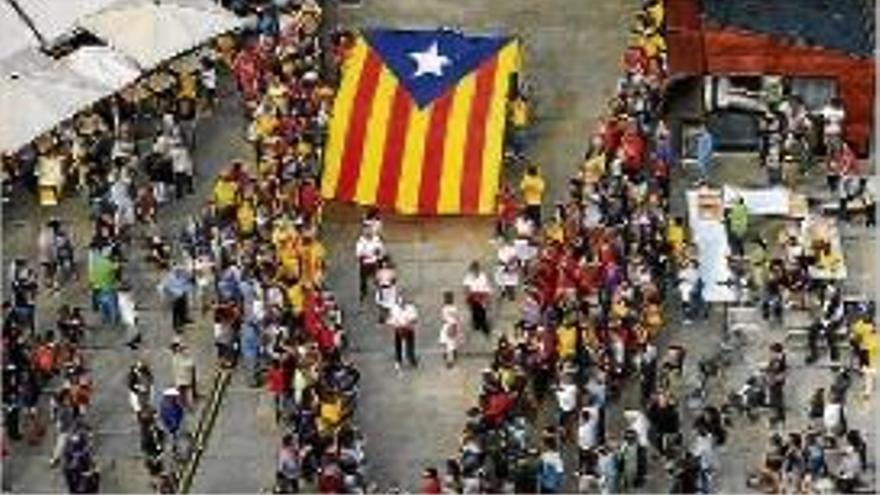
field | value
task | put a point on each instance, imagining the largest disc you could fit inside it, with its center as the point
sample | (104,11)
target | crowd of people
(127,155)
(593,279)
(124,154)
(272,311)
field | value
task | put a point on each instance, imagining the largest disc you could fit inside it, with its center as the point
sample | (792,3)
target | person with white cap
(172,414)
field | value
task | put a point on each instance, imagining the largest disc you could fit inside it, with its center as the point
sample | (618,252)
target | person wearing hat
(183,368)
(171,415)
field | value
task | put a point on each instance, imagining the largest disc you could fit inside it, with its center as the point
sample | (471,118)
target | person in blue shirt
(171,415)
(705,148)
(176,285)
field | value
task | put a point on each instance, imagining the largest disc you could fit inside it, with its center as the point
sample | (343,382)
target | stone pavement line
(205,428)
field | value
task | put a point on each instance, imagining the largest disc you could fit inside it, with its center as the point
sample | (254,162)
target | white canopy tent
(55,18)
(16,35)
(151,32)
(34,103)
(38,92)
(103,65)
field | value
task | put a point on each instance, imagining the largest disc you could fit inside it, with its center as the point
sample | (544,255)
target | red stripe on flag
(432,163)
(395,140)
(357,127)
(476,137)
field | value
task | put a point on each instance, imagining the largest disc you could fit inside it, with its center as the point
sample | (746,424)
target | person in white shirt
(128,315)
(182,165)
(386,288)
(403,319)
(507,271)
(369,250)
(450,332)
(588,429)
(566,398)
(478,293)
(688,278)
(833,116)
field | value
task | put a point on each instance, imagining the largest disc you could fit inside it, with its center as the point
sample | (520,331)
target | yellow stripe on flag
(508,59)
(454,146)
(374,144)
(351,71)
(413,153)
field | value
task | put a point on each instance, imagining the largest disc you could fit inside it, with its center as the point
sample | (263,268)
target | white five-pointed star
(430,61)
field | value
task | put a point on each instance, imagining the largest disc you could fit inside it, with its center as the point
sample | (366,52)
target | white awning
(103,65)
(35,103)
(54,18)
(151,33)
(16,35)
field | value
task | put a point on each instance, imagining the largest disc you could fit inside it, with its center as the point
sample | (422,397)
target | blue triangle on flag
(428,63)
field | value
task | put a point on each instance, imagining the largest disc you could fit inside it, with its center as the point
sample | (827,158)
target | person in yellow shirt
(653,319)
(330,412)
(290,262)
(656,13)
(225,193)
(246,216)
(566,341)
(518,115)
(593,168)
(675,237)
(264,126)
(296,297)
(313,254)
(864,337)
(187,85)
(532,189)
(554,232)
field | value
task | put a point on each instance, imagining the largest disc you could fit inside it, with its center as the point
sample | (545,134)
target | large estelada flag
(418,122)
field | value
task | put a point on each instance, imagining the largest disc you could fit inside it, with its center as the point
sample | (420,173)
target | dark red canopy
(705,39)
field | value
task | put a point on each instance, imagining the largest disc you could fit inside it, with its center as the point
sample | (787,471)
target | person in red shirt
(633,147)
(431,482)
(611,134)
(276,384)
(508,209)
(635,61)
(246,72)
(310,199)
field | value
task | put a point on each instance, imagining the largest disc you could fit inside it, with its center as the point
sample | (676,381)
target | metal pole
(28,22)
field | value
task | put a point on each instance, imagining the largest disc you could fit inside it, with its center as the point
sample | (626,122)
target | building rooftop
(844,25)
